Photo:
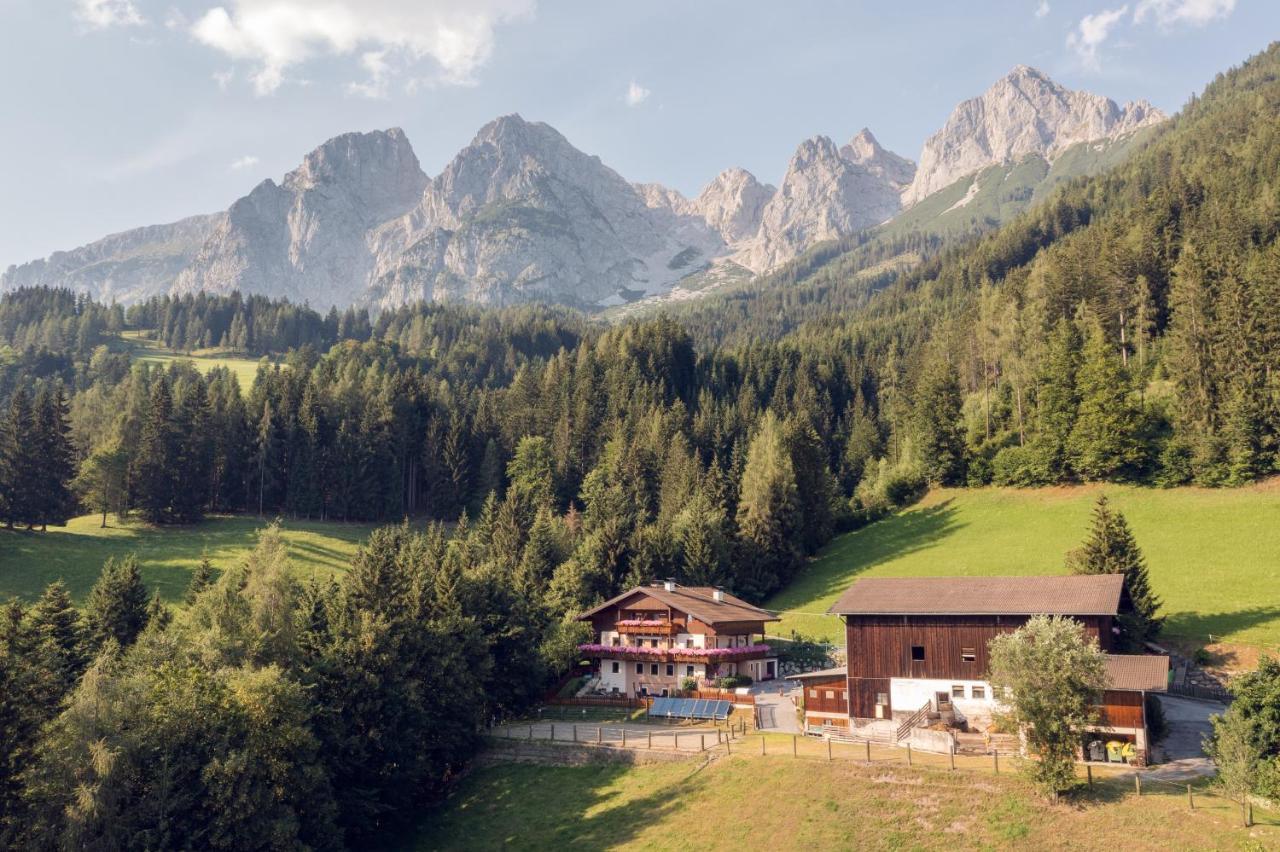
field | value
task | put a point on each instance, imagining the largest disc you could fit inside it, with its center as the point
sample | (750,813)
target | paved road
(777,713)
(1181,753)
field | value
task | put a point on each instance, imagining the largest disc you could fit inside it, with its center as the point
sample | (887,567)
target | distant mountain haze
(522,215)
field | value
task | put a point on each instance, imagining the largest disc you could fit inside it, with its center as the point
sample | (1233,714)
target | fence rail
(1205,693)
(602,701)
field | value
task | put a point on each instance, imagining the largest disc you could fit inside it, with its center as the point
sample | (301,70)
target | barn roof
(1137,672)
(698,601)
(838,671)
(1075,594)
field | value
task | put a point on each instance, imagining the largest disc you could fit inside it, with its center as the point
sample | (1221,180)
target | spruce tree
(1058,401)
(56,623)
(201,579)
(1112,549)
(117,607)
(768,512)
(20,470)
(53,448)
(1104,441)
(937,425)
(157,475)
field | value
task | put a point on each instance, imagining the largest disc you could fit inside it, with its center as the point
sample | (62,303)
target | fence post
(952,755)
(553,732)
(624,737)
(575,732)
(728,746)
(794,752)
(531,732)
(1088,773)
(1191,802)
(650,736)
(599,735)
(762,742)
(676,737)
(828,749)
(1137,783)
(908,754)
(868,745)
(995,760)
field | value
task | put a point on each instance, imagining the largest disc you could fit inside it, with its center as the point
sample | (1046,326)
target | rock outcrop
(1023,113)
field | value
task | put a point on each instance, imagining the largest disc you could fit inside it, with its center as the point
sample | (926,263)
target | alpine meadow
(527,506)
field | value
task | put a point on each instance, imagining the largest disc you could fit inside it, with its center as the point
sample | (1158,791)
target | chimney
(717,594)
(669,584)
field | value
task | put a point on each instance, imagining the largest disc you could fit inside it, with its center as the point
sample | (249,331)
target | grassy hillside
(743,802)
(31,560)
(142,349)
(1214,555)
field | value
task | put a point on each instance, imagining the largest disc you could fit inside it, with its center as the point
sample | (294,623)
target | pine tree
(20,473)
(117,606)
(1058,401)
(53,448)
(1112,549)
(1104,441)
(157,475)
(201,579)
(937,426)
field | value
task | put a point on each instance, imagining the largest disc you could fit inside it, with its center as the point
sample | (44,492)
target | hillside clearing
(204,360)
(1214,554)
(737,803)
(31,560)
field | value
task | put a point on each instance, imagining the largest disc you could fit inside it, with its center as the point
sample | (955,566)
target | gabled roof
(1137,672)
(697,601)
(1075,594)
(838,671)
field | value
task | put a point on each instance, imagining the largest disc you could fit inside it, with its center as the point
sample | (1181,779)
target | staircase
(915,720)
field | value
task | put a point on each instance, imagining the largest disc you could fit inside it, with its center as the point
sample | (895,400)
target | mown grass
(780,803)
(1214,554)
(150,351)
(75,553)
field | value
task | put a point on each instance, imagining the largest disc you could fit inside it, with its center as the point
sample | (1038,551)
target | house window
(813,693)
(639,668)
(653,643)
(653,668)
(882,698)
(615,668)
(688,643)
(831,693)
(617,640)
(688,671)
(978,692)
(671,670)
(968,655)
(917,653)
(957,691)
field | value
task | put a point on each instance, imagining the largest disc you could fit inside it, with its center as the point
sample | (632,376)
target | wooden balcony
(648,628)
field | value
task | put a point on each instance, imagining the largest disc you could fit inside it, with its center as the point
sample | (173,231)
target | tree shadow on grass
(524,806)
(853,553)
(1199,626)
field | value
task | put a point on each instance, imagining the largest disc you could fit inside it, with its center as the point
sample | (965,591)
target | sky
(121,113)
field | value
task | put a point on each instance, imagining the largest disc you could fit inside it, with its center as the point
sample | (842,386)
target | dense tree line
(265,713)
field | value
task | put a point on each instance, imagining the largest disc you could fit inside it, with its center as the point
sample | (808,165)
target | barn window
(968,655)
(615,668)
(917,653)
(813,693)
(882,698)
(671,670)
(831,693)
(957,691)
(978,692)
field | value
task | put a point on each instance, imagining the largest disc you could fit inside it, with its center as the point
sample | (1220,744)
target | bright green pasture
(1214,554)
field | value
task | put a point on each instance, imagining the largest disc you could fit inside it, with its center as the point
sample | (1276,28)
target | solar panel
(659,707)
(700,709)
(723,708)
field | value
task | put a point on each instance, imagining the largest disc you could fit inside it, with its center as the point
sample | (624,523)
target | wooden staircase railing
(904,730)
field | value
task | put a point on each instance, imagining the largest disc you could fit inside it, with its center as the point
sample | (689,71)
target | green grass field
(1214,554)
(75,553)
(749,802)
(142,349)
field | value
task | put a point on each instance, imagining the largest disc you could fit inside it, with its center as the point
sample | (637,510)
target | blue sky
(120,113)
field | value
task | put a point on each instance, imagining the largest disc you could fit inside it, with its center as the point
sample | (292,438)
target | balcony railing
(638,627)
(679,655)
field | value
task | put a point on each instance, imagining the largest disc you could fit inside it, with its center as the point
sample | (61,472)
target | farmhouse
(917,654)
(650,639)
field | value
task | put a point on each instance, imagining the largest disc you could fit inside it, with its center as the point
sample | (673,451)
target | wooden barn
(917,649)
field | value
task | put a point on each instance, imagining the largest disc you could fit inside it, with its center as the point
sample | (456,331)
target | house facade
(917,648)
(648,640)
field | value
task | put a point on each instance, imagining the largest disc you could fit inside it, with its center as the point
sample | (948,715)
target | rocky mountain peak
(1024,112)
(377,169)
(865,150)
(733,203)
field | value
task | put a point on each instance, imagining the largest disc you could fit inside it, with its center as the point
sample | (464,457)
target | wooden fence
(720,695)
(1205,693)
(601,701)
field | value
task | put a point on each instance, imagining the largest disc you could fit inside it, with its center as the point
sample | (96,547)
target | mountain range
(521,215)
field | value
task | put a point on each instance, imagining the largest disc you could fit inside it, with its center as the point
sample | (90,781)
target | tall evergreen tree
(53,448)
(1111,549)
(1058,400)
(936,420)
(158,477)
(117,606)
(768,512)
(56,623)
(1104,441)
(20,475)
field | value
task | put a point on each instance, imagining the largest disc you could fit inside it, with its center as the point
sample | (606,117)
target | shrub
(689,684)
(1020,466)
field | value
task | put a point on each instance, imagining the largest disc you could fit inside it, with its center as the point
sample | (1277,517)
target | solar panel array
(690,708)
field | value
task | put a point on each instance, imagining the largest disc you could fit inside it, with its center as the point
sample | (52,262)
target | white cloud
(277,35)
(1042,9)
(223,79)
(636,94)
(1169,13)
(103,14)
(1091,33)
(240,164)
(380,71)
